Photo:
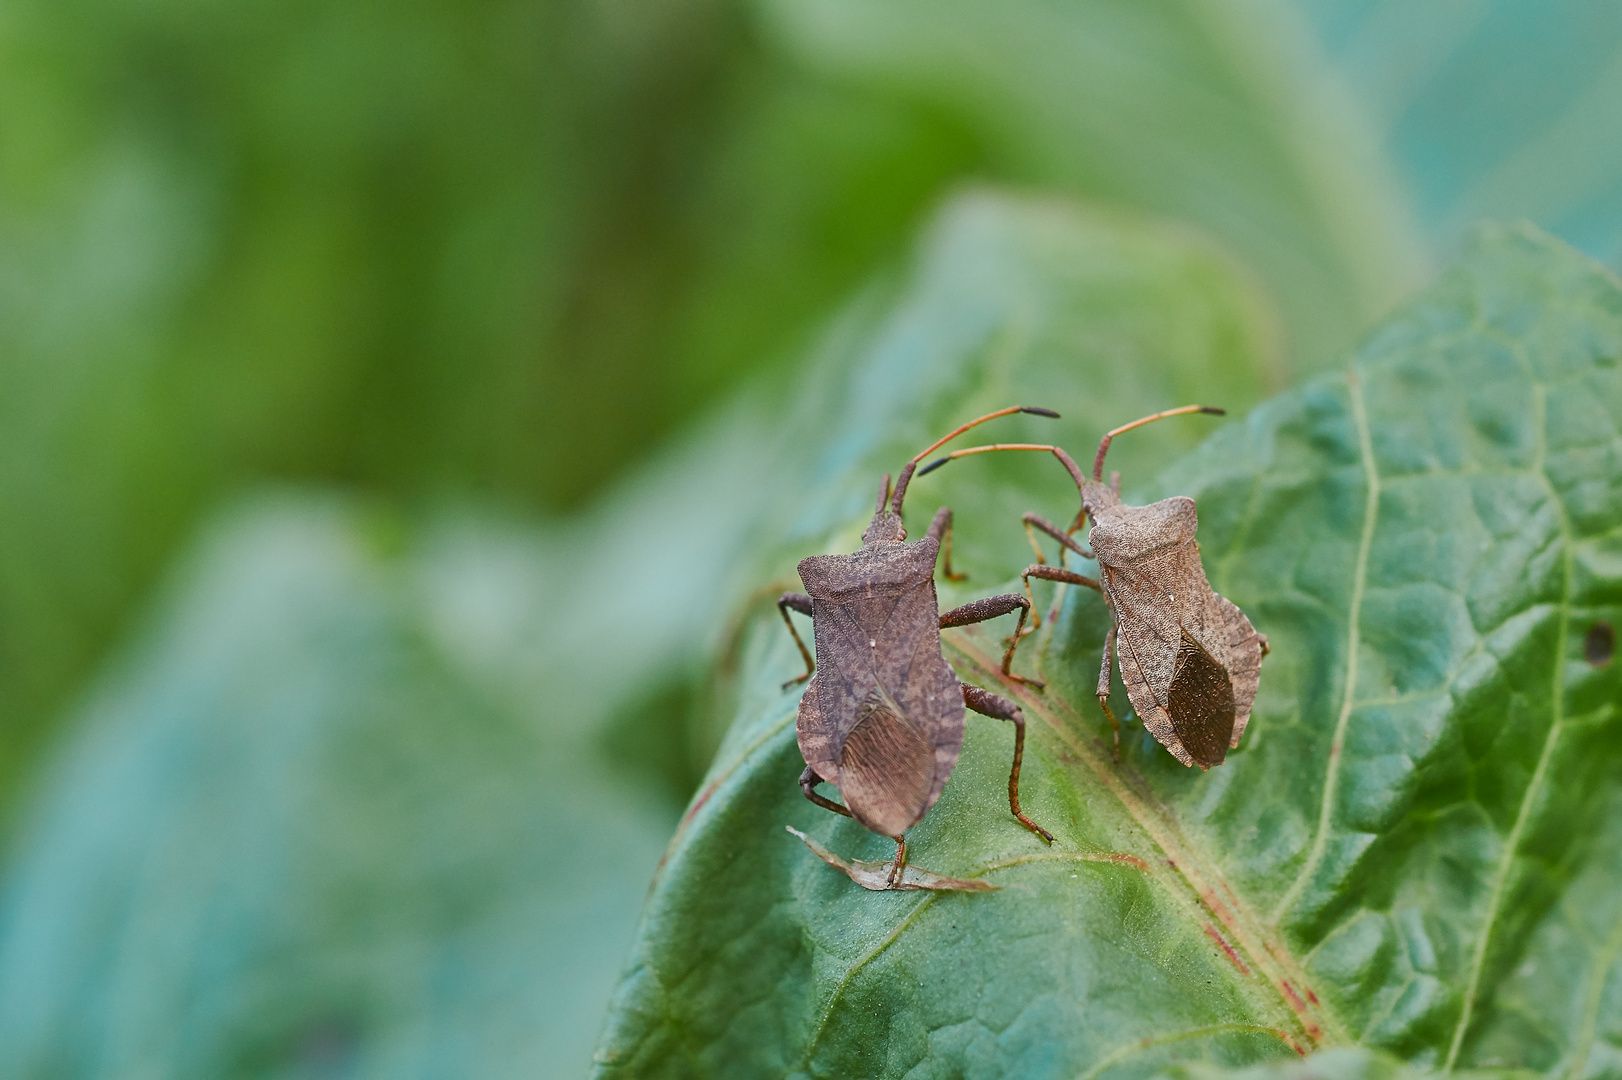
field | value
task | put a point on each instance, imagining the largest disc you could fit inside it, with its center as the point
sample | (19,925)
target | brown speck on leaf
(1218,908)
(1228,950)
(1599,644)
(1300,1008)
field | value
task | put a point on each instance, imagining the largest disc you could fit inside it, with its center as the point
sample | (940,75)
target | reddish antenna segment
(911,466)
(1064,458)
(1103,444)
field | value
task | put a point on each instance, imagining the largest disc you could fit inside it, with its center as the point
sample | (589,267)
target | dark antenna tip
(1212,410)
(933,465)
(1037,410)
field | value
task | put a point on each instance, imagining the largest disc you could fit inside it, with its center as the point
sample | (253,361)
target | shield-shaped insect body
(1190,659)
(882,716)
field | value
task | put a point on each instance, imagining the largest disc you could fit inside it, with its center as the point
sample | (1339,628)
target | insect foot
(881,718)
(1190,658)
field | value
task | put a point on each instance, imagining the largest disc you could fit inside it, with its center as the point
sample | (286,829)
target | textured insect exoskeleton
(882,718)
(1190,659)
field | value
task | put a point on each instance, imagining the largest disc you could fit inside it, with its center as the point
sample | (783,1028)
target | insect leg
(1103,689)
(941,530)
(1033,521)
(808,784)
(1051,573)
(801,603)
(1000,708)
(990,608)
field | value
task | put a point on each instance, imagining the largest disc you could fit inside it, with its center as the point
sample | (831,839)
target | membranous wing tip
(886,766)
(1200,703)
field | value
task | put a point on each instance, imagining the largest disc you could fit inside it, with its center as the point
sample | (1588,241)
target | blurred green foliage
(546,286)
(503,248)
(497,249)
(314,846)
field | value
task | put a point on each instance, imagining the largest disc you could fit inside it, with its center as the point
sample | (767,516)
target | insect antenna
(1103,444)
(1064,459)
(908,472)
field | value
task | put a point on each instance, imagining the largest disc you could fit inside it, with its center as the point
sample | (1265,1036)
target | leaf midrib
(1354,617)
(1269,959)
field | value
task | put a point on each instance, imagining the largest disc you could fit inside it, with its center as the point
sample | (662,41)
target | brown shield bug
(1190,659)
(882,717)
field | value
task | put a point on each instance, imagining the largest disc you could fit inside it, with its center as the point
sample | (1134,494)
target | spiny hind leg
(1000,708)
(801,603)
(990,608)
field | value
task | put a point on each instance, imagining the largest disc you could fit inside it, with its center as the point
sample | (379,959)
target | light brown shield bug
(1190,659)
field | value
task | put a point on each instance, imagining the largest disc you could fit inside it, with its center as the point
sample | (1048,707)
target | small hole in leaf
(1599,644)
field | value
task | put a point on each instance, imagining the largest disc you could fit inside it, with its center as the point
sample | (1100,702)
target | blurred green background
(387,391)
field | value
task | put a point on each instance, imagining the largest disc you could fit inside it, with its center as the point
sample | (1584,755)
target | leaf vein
(851,972)
(1149,1042)
(1371,509)
(1596,991)
(1533,788)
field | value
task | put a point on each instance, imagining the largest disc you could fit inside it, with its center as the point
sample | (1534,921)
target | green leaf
(1435,538)
(1412,850)
(288,838)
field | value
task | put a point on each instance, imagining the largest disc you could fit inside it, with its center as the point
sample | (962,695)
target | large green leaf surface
(1414,849)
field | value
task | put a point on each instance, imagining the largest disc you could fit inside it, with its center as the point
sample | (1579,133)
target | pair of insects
(882,717)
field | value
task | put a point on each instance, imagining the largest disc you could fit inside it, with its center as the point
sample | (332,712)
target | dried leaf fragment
(876,876)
